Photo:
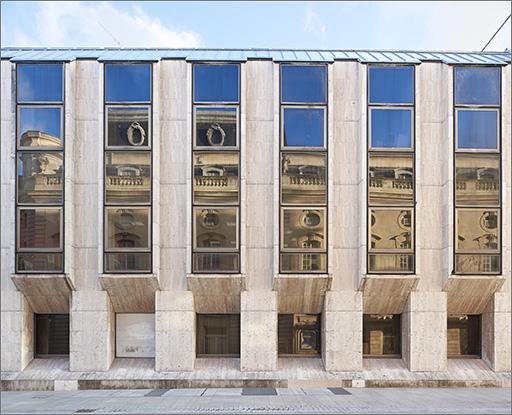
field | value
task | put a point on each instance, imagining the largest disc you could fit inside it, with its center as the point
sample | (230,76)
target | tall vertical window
(40,168)
(216,168)
(390,169)
(128,168)
(303,169)
(477,170)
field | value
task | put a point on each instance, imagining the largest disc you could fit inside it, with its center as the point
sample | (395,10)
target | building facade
(255,215)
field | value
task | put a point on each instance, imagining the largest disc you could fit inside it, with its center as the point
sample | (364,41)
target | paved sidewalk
(260,401)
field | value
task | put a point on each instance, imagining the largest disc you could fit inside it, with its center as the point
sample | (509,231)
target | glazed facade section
(257,211)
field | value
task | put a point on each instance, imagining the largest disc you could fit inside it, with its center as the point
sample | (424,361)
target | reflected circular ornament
(210,219)
(125,220)
(489,220)
(404,219)
(136,126)
(310,219)
(210,134)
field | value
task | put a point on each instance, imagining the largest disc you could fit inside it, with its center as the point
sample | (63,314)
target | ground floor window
(381,335)
(218,334)
(464,335)
(51,334)
(298,334)
(135,335)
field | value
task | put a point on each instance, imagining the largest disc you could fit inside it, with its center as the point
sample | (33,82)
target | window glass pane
(215,262)
(127,228)
(127,177)
(381,334)
(216,83)
(391,179)
(216,126)
(128,261)
(51,334)
(391,85)
(308,263)
(303,83)
(477,179)
(303,178)
(39,127)
(477,129)
(40,262)
(303,229)
(128,127)
(41,82)
(135,335)
(128,82)
(391,262)
(218,334)
(391,128)
(215,228)
(39,228)
(215,178)
(303,127)
(463,335)
(477,230)
(391,229)
(477,264)
(40,177)
(479,86)
(298,334)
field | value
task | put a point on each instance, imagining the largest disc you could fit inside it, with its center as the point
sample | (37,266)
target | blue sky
(330,25)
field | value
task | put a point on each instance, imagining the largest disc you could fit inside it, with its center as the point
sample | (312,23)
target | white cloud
(100,24)
(312,21)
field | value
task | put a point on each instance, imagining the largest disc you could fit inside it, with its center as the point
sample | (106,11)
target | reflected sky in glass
(40,82)
(391,85)
(391,128)
(216,83)
(303,83)
(46,120)
(128,82)
(478,86)
(477,129)
(303,127)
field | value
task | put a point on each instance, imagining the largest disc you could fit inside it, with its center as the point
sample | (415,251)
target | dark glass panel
(391,229)
(477,86)
(40,177)
(304,83)
(215,229)
(464,335)
(391,179)
(40,82)
(303,178)
(477,179)
(216,126)
(128,261)
(128,127)
(127,228)
(40,262)
(39,127)
(391,85)
(215,262)
(216,83)
(477,230)
(303,229)
(391,128)
(285,333)
(215,178)
(388,263)
(303,263)
(477,264)
(51,334)
(39,228)
(303,127)
(477,129)
(218,334)
(127,177)
(299,334)
(381,335)
(128,82)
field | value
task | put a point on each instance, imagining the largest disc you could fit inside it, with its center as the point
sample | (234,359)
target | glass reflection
(128,127)
(304,83)
(391,179)
(216,83)
(303,178)
(40,177)
(39,127)
(477,230)
(39,228)
(218,334)
(477,86)
(127,177)
(215,229)
(391,128)
(298,334)
(477,179)
(477,129)
(306,262)
(381,335)
(127,228)
(215,262)
(216,126)
(477,264)
(127,82)
(303,127)
(391,84)
(128,261)
(39,262)
(391,262)
(303,229)
(40,82)
(51,334)
(463,335)
(391,229)
(215,178)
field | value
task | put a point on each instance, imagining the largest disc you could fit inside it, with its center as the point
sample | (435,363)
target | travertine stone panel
(131,293)
(175,331)
(258,331)
(46,293)
(387,294)
(342,331)
(216,293)
(91,331)
(467,294)
(424,332)
(301,293)
(496,329)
